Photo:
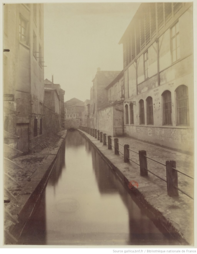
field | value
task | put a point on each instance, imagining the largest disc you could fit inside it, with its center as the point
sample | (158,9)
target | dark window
(41,126)
(141,104)
(131,114)
(126,114)
(167,108)
(168,11)
(182,105)
(160,17)
(35,127)
(149,105)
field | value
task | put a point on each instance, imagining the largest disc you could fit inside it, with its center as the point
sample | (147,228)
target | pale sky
(79,38)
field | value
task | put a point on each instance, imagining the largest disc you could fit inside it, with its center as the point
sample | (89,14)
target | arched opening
(141,106)
(167,108)
(182,105)
(149,106)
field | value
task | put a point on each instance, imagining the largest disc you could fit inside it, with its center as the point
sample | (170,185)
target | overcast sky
(79,38)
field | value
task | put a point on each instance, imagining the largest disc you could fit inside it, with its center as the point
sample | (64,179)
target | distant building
(60,93)
(86,118)
(158,75)
(110,117)
(23,74)
(98,94)
(51,110)
(74,113)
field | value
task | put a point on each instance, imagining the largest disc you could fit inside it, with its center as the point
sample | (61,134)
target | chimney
(52,78)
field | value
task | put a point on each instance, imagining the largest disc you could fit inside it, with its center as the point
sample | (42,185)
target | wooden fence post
(116,146)
(104,139)
(143,163)
(101,136)
(109,142)
(126,153)
(172,179)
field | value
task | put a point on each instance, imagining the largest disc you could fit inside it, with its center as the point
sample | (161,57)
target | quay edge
(158,217)
(37,184)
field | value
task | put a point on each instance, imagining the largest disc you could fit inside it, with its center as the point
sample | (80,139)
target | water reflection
(59,166)
(103,175)
(35,232)
(89,205)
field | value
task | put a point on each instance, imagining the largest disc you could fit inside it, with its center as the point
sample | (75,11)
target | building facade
(98,94)
(60,94)
(158,75)
(74,113)
(23,74)
(110,117)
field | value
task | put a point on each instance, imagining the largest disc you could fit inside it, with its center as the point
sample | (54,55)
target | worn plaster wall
(110,120)
(118,119)
(105,121)
(170,76)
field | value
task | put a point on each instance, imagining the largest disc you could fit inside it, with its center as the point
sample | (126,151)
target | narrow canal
(85,204)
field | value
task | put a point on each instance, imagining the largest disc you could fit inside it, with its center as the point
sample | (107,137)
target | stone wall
(110,120)
(177,138)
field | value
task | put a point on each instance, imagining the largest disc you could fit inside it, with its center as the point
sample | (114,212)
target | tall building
(158,75)
(23,74)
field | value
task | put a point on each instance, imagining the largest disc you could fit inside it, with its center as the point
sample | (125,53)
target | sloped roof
(74,102)
(46,81)
(107,76)
(119,76)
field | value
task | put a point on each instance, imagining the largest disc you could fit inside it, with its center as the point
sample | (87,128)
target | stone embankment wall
(25,179)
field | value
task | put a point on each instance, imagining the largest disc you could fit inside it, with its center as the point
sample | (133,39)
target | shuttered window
(149,104)
(131,114)
(167,105)
(126,114)
(141,107)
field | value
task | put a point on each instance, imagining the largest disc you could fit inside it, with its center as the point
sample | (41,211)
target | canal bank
(25,179)
(84,203)
(173,215)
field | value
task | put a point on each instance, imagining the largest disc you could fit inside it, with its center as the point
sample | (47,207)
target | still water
(85,204)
